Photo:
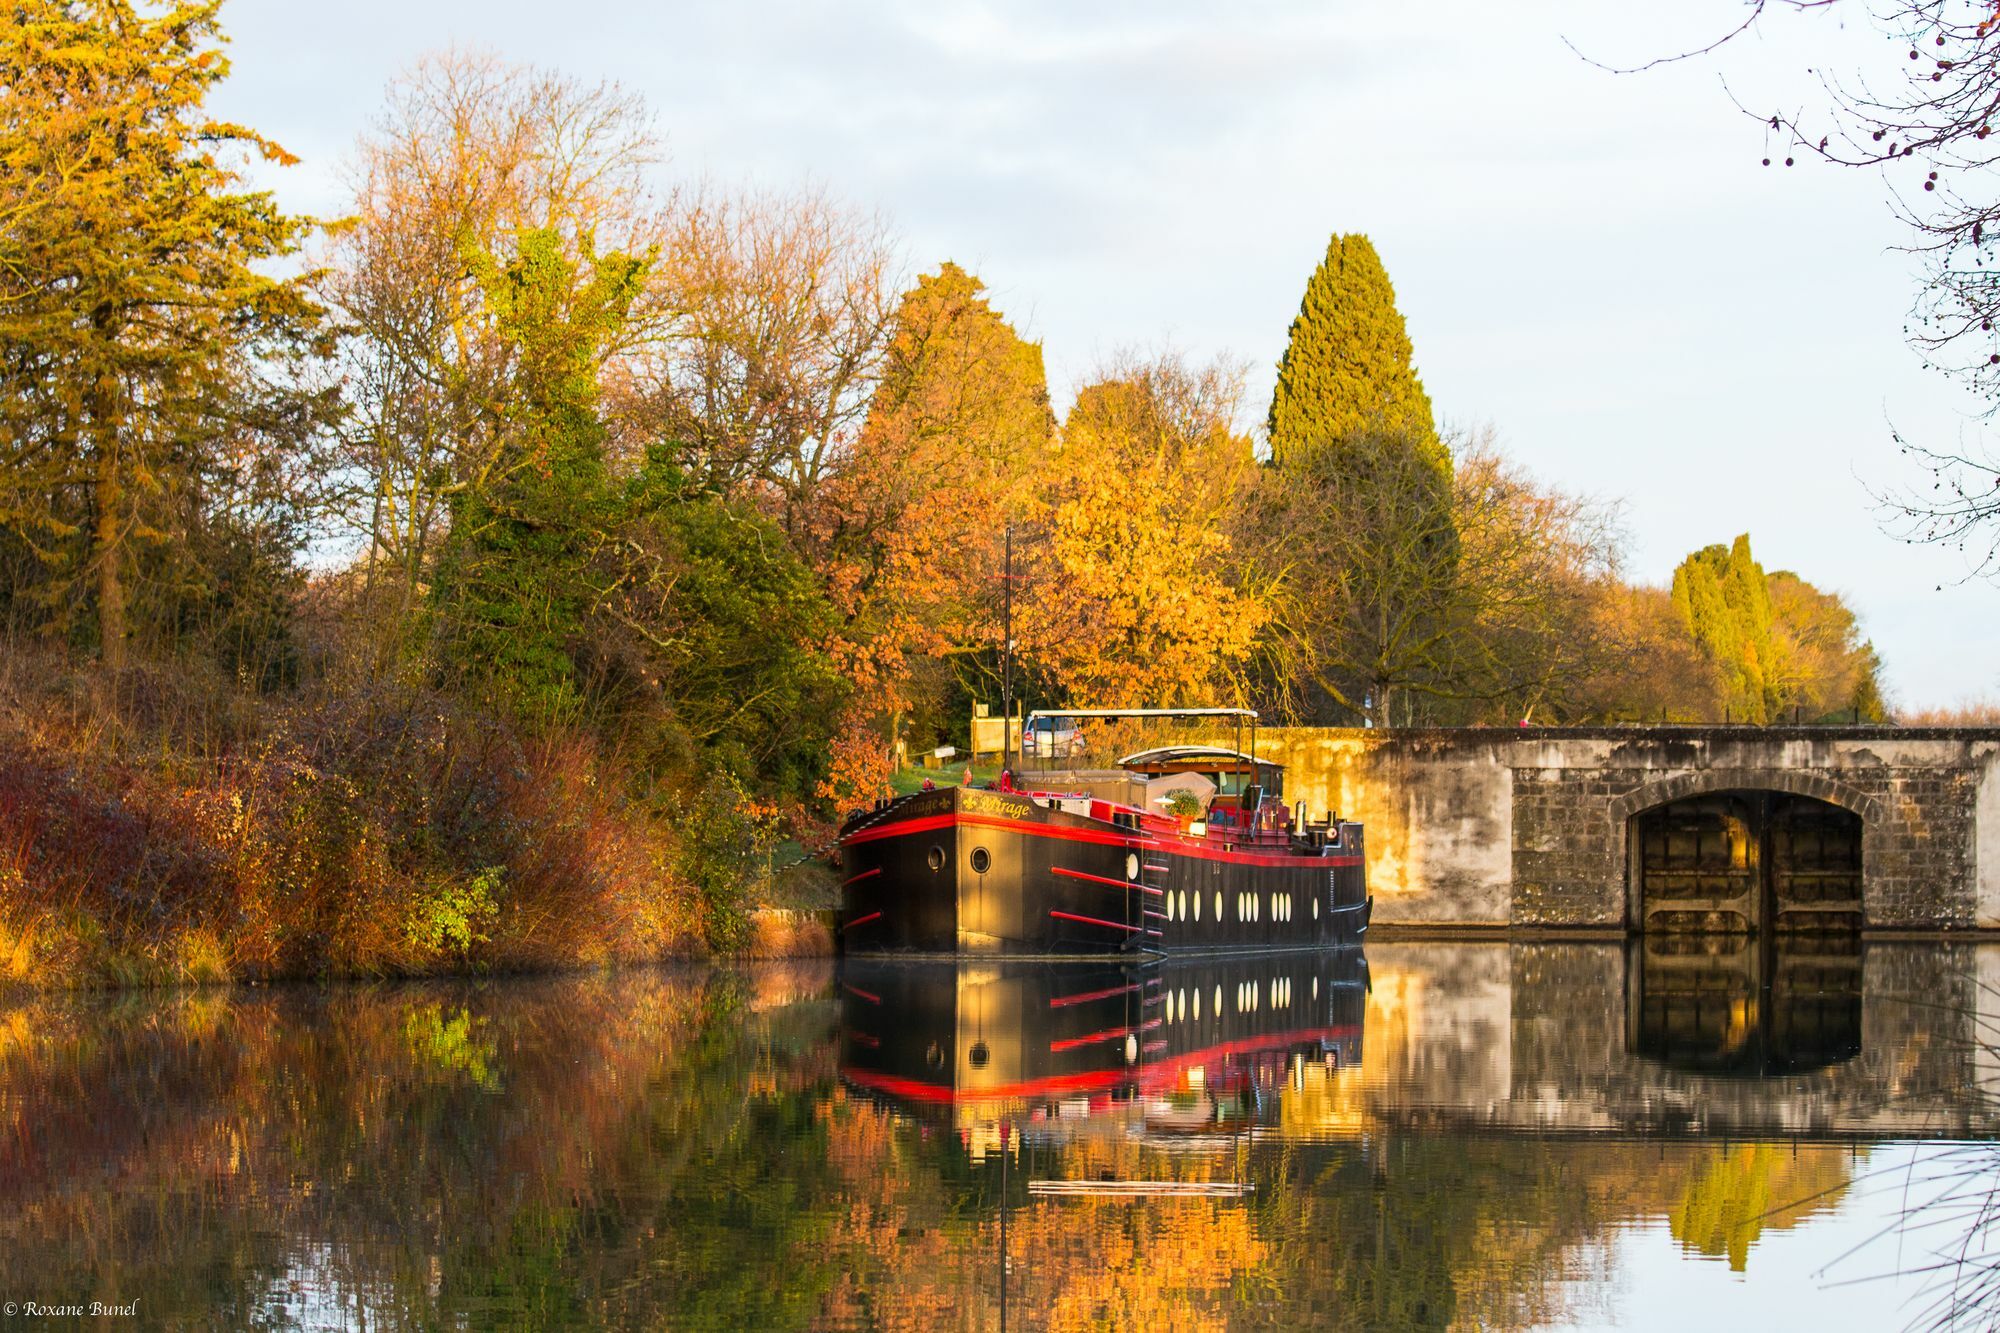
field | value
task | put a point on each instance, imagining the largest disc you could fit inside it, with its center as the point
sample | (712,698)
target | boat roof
(1193,756)
(1250,713)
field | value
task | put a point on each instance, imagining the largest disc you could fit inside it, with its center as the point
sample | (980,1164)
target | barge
(1050,872)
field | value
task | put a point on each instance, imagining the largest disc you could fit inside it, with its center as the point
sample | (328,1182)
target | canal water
(1425,1136)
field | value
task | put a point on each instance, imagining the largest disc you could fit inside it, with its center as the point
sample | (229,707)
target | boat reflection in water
(1744,1006)
(1179,1050)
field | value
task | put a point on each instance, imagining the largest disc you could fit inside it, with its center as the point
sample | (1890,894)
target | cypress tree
(1347,365)
(1723,596)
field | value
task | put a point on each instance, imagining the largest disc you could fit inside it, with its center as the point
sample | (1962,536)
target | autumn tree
(1658,673)
(1399,603)
(781,306)
(1825,671)
(1138,597)
(1347,364)
(1532,561)
(910,529)
(470,153)
(142,337)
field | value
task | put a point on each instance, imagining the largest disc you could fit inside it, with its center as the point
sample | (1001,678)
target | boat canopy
(1193,759)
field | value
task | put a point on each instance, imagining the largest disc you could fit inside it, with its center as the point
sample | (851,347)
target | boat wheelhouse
(1124,867)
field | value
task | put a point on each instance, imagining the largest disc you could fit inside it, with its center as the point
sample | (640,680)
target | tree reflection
(678,1148)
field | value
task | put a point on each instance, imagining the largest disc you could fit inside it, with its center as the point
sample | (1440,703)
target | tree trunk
(1384,695)
(107,542)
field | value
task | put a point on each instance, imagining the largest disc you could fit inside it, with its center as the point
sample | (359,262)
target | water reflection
(1746,1005)
(1180,1049)
(1446,1135)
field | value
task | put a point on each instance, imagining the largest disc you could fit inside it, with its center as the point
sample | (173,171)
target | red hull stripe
(851,879)
(898,830)
(1092,921)
(1095,879)
(914,1091)
(1154,1075)
(863,920)
(1062,1001)
(872,999)
(1070,1044)
(1151,1077)
(929,822)
(1177,847)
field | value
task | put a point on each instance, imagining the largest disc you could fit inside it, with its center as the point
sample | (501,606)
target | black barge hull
(964,871)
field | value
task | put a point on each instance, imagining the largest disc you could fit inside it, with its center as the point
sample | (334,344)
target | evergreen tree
(131,301)
(1723,596)
(1347,365)
(513,582)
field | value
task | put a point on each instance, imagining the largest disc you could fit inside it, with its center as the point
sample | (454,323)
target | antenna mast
(1007,655)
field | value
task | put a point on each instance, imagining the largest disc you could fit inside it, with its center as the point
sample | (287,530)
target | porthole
(1218,1000)
(978,1055)
(982,860)
(1183,897)
(1131,865)
(1315,907)
(1197,904)
(933,1056)
(1218,904)
(1131,1050)
(936,858)
(1197,989)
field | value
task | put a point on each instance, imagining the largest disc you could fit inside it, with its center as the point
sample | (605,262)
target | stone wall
(1528,827)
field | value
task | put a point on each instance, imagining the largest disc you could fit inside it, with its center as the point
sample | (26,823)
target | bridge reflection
(1744,1005)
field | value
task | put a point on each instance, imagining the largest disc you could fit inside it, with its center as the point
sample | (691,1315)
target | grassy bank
(169,826)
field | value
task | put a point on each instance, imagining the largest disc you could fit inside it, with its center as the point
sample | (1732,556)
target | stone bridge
(1629,828)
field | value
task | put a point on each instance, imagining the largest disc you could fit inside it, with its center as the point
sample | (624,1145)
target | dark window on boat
(936,858)
(982,860)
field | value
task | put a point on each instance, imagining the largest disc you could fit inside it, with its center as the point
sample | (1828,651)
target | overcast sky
(1596,265)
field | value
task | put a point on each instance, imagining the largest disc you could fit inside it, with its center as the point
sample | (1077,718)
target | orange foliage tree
(956,437)
(1136,596)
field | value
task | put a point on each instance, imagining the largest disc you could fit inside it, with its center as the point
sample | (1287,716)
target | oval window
(936,858)
(982,860)
(1131,865)
(1218,904)
(979,1055)
(1197,904)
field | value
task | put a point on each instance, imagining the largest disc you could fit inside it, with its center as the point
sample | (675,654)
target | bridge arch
(1782,873)
(1701,782)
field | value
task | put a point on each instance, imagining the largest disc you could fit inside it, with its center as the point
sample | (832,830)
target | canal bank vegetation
(495,576)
